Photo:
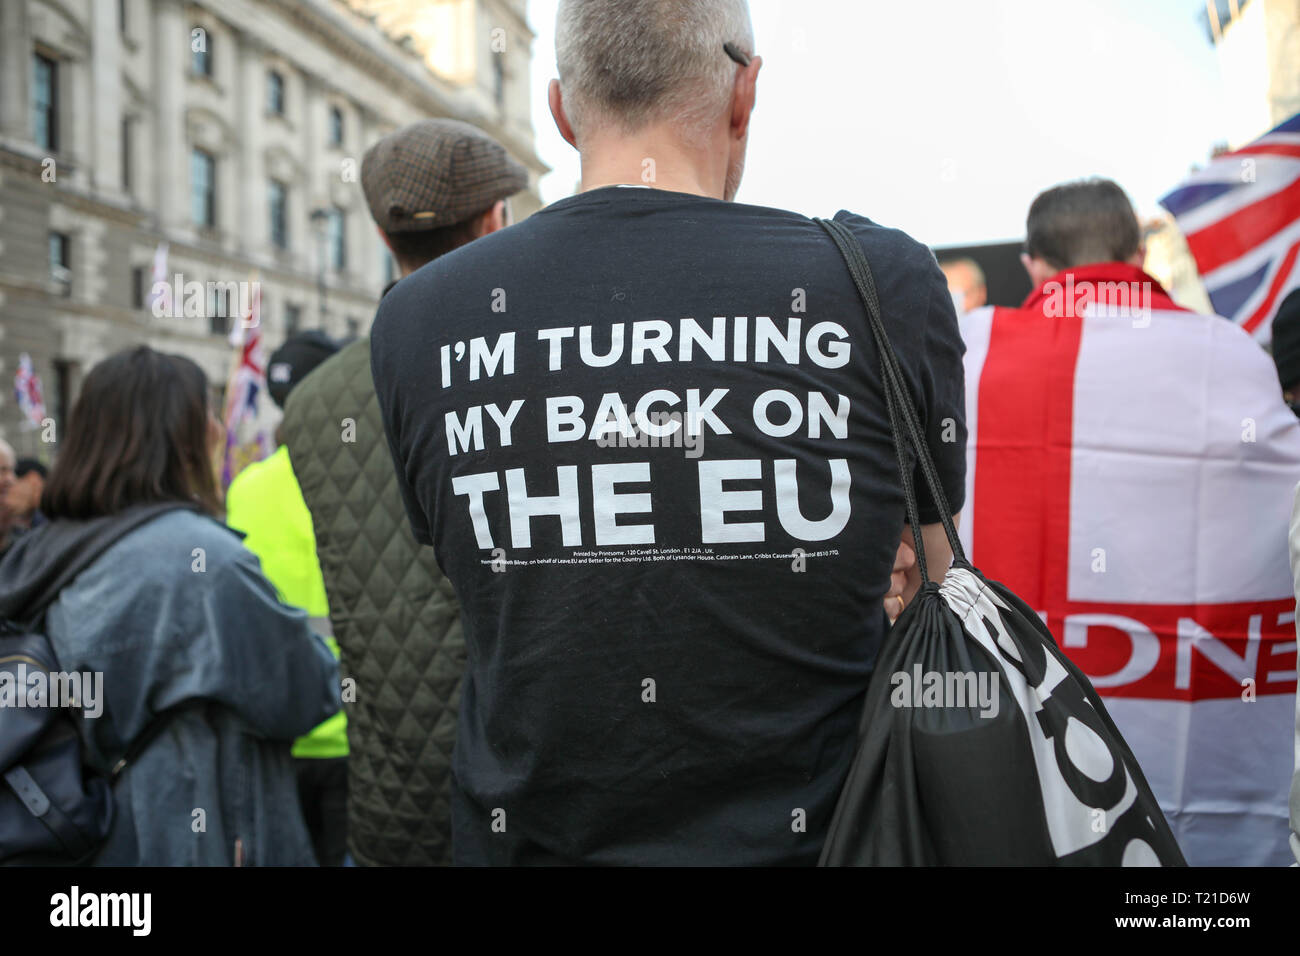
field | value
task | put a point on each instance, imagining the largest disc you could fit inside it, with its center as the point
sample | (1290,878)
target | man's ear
(1040,270)
(556,102)
(1139,258)
(493,219)
(744,97)
(384,236)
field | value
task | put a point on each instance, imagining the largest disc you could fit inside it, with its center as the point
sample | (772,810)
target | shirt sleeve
(390,410)
(942,377)
(262,660)
(925,334)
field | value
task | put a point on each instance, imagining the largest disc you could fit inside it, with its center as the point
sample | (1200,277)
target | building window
(121,17)
(203,188)
(278,194)
(292,319)
(336,126)
(275,93)
(338,245)
(499,79)
(219,308)
(63,373)
(60,260)
(126,153)
(45,102)
(354,328)
(200,52)
(138,279)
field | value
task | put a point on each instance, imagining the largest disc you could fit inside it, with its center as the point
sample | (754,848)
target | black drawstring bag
(980,743)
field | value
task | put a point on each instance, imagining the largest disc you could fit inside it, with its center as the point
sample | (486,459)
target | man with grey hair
(669,634)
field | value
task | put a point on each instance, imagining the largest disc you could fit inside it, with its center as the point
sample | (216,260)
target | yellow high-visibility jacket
(265,503)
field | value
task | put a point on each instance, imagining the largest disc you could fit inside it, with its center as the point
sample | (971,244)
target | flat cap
(435,173)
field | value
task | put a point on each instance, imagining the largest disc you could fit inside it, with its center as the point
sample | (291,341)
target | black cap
(25,465)
(1286,341)
(291,362)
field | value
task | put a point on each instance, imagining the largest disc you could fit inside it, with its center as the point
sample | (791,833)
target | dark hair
(137,434)
(1286,341)
(294,359)
(1082,223)
(414,249)
(26,465)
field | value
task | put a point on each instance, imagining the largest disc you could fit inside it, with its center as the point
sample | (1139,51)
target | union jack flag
(1241,217)
(28,391)
(242,390)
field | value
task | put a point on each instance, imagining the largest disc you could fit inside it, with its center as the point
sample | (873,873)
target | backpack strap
(904,421)
(151,732)
(47,811)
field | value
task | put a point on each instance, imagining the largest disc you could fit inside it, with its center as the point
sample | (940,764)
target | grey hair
(634,62)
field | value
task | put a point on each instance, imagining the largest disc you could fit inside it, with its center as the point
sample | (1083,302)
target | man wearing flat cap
(436,185)
(431,187)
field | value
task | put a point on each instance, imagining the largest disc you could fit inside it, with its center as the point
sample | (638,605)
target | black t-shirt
(646,435)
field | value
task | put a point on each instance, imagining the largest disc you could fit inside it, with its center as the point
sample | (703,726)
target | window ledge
(205,80)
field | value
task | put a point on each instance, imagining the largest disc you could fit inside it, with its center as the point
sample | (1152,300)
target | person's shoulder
(1178,326)
(255,477)
(180,532)
(324,379)
(886,243)
(328,383)
(1231,344)
(461,264)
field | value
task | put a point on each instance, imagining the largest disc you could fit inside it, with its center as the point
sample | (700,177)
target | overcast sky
(946,117)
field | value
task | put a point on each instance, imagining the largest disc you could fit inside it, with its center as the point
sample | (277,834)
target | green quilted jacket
(395,617)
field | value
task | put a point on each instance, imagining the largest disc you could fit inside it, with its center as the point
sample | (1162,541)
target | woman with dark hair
(180,622)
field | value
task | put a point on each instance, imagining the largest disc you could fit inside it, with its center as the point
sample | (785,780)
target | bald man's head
(966,283)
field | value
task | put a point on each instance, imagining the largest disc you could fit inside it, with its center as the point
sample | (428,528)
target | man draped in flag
(247,380)
(1241,217)
(1130,475)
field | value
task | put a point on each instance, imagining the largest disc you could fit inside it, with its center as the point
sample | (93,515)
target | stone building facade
(232,132)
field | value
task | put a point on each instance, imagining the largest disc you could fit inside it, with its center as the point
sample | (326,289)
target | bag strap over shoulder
(160,722)
(109,532)
(904,422)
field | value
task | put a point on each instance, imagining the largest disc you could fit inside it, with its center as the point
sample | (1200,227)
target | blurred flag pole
(160,278)
(247,378)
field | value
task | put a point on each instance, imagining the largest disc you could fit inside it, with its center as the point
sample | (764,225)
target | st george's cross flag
(1131,468)
(1241,217)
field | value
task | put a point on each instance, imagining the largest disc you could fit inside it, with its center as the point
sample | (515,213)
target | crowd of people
(445,622)
(22,481)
